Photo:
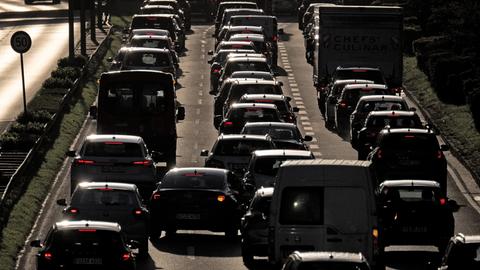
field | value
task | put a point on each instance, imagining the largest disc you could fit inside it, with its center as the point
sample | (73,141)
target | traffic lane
(332,146)
(39,61)
(194,249)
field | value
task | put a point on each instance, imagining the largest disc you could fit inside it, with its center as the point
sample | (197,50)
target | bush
(410,34)
(31,127)
(49,103)
(40,116)
(71,73)
(53,91)
(79,61)
(12,141)
(446,80)
(53,82)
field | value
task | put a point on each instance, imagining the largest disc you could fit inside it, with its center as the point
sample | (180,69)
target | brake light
(48,255)
(114,143)
(221,198)
(73,211)
(87,230)
(156,196)
(228,123)
(359,70)
(379,153)
(409,136)
(375,233)
(83,162)
(439,154)
(126,256)
(443,201)
(217,70)
(274,38)
(264,100)
(342,103)
(105,189)
(193,174)
(143,162)
(138,212)
(151,18)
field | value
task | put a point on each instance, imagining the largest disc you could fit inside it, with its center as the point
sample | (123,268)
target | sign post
(21,43)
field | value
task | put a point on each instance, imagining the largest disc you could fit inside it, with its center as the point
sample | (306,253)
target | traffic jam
(261,185)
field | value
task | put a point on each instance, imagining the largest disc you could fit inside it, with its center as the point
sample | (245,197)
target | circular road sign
(21,42)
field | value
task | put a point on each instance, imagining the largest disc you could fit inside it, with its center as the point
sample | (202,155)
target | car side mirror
(453,205)
(62,202)
(36,243)
(288,98)
(308,138)
(413,109)
(210,52)
(444,147)
(204,153)
(180,113)
(71,153)
(93,111)
(281,31)
(280,83)
(295,109)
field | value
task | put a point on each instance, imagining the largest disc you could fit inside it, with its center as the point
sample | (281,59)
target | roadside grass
(454,122)
(27,209)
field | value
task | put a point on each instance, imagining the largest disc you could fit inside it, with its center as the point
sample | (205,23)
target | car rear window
(269,165)
(410,142)
(104,196)
(147,59)
(394,122)
(413,194)
(113,149)
(238,90)
(383,106)
(360,74)
(240,147)
(150,43)
(153,22)
(250,66)
(86,239)
(254,115)
(274,132)
(353,95)
(194,180)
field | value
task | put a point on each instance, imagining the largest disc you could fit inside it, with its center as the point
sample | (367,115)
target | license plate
(414,229)
(90,261)
(188,216)
(113,169)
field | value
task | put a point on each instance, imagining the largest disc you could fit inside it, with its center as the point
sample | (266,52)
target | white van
(323,205)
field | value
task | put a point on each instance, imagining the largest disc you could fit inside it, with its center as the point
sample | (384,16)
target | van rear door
(348,226)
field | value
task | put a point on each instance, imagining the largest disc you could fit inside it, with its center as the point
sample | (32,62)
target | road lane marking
(198,111)
(314,146)
(191,252)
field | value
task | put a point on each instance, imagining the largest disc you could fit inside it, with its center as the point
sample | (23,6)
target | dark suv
(462,253)
(409,153)
(77,245)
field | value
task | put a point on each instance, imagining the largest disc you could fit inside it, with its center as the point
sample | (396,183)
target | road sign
(21,42)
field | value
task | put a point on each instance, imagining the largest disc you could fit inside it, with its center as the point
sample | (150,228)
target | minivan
(324,205)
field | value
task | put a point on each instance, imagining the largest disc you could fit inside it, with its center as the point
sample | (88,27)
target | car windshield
(195,180)
(394,122)
(332,265)
(253,115)
(85,240)
(360,74)
(382,106)
(104,196)
(240,147)
(277,133)
(112,149)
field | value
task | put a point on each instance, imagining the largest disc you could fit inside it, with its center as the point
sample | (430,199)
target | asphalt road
(49,43)
(206,250)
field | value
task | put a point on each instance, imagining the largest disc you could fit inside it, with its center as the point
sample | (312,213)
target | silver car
(119,158)
(112,202)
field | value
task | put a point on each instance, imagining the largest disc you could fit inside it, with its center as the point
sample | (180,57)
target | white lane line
(317,154)
(309,133)
(306,123)
(301,107)
(296,94)
(308,128)
(294,89)
(304,118)
(197,111)
(463,190)
(313,146)
(297,98)
(202,77)
(200,93)
(302,112)
(200,102)
(299,103)
(293,85)
(191,252)
(197,121)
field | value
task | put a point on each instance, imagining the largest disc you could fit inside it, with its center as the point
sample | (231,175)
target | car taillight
(217,70)
(83,162)
(72,211)
(342,103)
(274,38)
(137,212)
(379,153)
(376,245)
(221,198)
(439,154)
(48,255)
(443,201)
(156,196)
(143,162)
(126,256)
(228,123)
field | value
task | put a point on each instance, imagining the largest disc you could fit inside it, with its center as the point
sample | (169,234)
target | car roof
(350,81)
(381,98)
(264,192)
(313,256)
(282,153)
(253,105)
(358,67)
(360,86)
(391,113)
(252,37)
(410,183)
(247,54)
(234,42)
(467,239)
(244,27)
(270,124)
(247,59)
(263,96)
(212,171)
(332,162)
(110,185)
(157,6)
(150,37)
(87,224)
(235,51)
(254,81)
(113,137)
(236,2)
(153,15)
(407,131)
(153,30)
(243,137)
(151,50)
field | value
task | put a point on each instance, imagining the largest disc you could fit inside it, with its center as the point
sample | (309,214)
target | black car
(462,253)
(196,198)
(366,138)
(409,153)
(241,113)
(414,212)
(78,245)
(284,135)
(254,226)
